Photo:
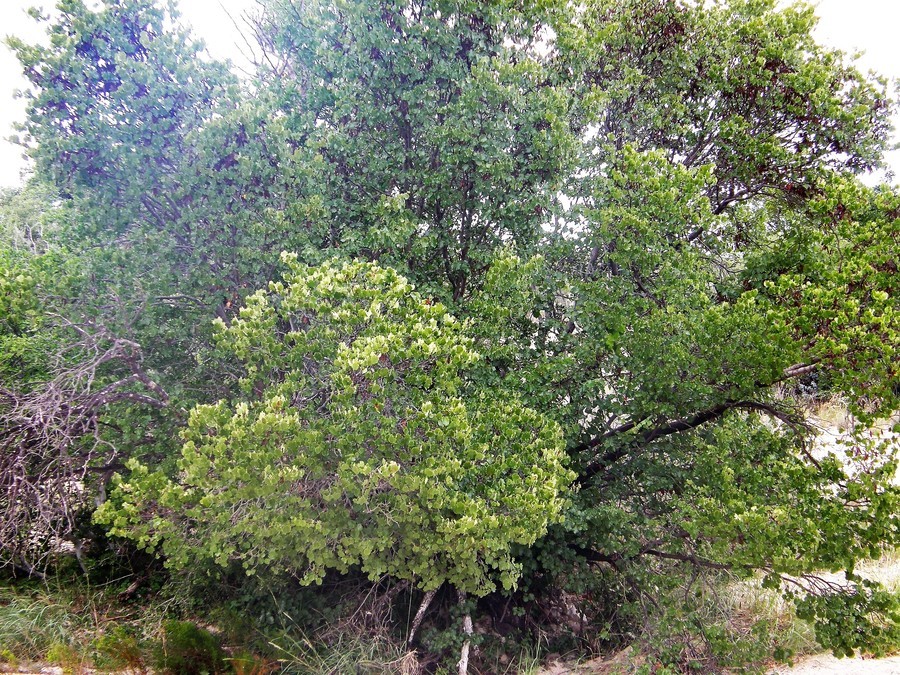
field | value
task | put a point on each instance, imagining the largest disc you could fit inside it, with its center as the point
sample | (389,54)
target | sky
(869,26)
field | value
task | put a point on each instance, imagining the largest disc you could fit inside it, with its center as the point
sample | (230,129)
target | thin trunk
(463,665)
(420,614)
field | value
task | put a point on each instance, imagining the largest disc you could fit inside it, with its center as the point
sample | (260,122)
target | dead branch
(51,442)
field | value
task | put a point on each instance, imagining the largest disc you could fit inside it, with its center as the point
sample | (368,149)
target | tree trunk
(420,614)
(463,665)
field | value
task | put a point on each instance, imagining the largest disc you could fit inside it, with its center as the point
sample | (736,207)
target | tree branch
(668,428)
(50,439)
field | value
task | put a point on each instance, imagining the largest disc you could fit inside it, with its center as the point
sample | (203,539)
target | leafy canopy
(645,218)
(357,442)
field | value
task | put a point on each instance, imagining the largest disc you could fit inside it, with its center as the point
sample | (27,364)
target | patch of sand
(826,664)
(821,664)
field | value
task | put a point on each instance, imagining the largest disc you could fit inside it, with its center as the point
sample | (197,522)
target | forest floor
(821,664)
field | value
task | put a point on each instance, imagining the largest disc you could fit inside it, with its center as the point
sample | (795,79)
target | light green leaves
(359,445)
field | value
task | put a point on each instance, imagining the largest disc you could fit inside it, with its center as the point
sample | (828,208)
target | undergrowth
(34,623)
(349,626)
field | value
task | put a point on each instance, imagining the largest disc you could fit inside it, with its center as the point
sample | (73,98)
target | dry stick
(463,665)
(420,614)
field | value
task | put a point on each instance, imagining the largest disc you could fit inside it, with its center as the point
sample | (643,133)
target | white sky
(866,25)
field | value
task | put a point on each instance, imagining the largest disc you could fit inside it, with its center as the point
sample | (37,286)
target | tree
(433,130)
(114,98)
(117,101)
(649,228)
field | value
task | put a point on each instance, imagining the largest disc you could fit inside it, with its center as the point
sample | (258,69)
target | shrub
(118,649)
(188,649)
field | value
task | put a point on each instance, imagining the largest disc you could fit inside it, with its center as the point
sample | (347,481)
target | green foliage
(119,94)
(187,649)
(65,656)
(443,117)
(865,618)
(837,291)
(633,227)
(117,649)
(30,274)
(721,623)
(8,658)
(114,93)
(664,75)
(30,218)
(18,302)
(359,438)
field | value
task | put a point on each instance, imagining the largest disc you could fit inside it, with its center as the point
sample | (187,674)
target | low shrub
(119,649)
(187,649)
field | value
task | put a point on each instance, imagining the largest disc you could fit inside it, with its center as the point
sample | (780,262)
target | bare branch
(51,443)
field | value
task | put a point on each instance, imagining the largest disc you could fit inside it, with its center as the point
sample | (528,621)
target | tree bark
(420,614)
(463,665)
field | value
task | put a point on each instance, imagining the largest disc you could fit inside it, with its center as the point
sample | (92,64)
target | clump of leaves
(187,649)
(865,617)
(358,442)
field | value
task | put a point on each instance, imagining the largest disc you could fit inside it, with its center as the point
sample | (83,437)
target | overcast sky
(865,25)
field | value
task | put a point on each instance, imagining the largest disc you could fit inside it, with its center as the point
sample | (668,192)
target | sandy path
(821,664)
(826,664)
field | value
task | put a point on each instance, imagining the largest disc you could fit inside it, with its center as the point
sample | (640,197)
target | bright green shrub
(359,442)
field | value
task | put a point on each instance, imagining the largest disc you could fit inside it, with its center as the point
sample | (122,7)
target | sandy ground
(826,664)
(822,664)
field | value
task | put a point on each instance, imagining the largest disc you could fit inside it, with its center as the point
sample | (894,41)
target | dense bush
(556,268)
(187,649)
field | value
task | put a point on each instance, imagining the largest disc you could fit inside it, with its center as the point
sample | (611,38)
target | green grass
(32,625)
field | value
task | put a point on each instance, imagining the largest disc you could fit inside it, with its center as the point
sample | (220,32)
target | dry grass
(831,412)
(885,570)
(748,604)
